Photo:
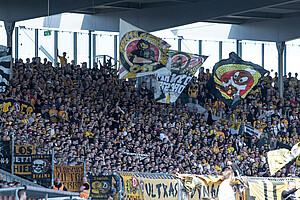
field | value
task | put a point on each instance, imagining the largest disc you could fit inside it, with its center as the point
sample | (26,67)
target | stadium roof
(180,12)
(153,15)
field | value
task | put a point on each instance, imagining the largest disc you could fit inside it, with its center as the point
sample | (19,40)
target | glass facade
(105,45)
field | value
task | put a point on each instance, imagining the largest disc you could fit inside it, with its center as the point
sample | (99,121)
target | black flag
(5,62)
(233,79)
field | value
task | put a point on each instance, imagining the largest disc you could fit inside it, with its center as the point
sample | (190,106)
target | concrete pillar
(220,50)
(280,48)
(9,27)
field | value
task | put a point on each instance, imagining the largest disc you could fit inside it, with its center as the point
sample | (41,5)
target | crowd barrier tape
(146,186)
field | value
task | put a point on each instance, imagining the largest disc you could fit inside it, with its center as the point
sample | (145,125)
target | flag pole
(12,152)
(52,166)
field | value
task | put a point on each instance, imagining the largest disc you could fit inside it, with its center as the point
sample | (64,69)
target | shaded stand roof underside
(152,15)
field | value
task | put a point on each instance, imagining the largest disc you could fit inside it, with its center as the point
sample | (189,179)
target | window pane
(105,45)
(271,57)
(228,46)
(82,48)
(210,49)
(190,46)
(173,42)
(26,43)
(65,44)
(251,51)
(292,58)
(3,38)
(46,42)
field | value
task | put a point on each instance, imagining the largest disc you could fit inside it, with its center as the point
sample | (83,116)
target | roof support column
(55,48)
(36,42)
(280,48)
(9,27)
(220,50)
(239,48)
(16,42)
(116,49)
(75,47)
(263,55)
(94,49)
(90,49)
(200,47)
(284,60)
(179,42)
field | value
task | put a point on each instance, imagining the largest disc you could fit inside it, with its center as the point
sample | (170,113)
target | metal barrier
(10,178)
(40,193)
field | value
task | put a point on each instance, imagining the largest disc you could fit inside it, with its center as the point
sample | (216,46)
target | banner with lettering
(41,166)
(159,189)
(183,66)
(141,53)
(132,186)
(5,63)
(5,155)
(22,159)
(70,176)
(268,188)
(101,187)
(19,106)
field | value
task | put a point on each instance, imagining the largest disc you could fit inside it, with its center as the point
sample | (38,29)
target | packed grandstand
(89,115)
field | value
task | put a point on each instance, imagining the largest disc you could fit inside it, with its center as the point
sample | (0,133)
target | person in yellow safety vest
(58,185)
(84,190)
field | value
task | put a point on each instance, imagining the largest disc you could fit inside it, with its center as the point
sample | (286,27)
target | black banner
(22,159)
(41,166)
(101,187)
(233,79)
(19,106)
(5,155)
(5,62)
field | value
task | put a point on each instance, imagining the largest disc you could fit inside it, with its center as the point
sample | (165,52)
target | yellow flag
(277,159)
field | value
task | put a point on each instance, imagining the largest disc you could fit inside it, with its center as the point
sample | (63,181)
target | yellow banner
(268,189)
(131,186)
(70,176)
(159,189)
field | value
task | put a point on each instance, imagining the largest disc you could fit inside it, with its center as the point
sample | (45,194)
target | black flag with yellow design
(234,78)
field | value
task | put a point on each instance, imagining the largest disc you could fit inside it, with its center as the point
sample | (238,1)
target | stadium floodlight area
(40,193)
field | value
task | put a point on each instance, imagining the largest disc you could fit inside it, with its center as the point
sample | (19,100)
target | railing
(10,178)
(39,193)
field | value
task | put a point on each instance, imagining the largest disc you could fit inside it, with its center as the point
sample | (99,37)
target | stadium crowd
(89,115)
